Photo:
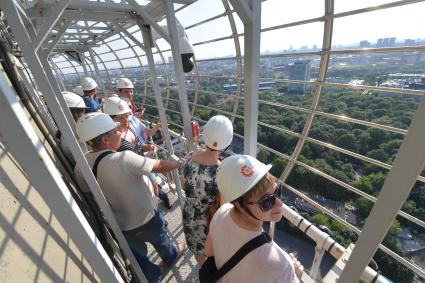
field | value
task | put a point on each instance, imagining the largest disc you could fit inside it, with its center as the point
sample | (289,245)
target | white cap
(94,124)
(115,106)
(218,132)
(88,84)
(237,174)
(124,83)
(73,100)
(78,90)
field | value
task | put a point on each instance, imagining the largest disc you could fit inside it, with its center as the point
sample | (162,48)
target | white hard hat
(237,174)
(124,83)
(78,90)
(73,100)
(93,124)
(88,84)
(218,132)
(115,106)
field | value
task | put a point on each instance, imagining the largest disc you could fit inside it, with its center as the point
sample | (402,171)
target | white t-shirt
(267,263)
(122,176)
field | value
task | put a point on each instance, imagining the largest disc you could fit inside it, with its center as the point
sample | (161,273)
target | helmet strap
(242,205)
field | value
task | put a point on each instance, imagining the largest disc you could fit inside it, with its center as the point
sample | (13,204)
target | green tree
(319,219)
(364,184)
(348,141)
(363,207)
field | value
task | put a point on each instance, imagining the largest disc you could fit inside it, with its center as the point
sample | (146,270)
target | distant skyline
(400,22)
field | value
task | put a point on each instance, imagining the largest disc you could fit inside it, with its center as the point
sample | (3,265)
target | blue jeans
(151,271)
(153,232)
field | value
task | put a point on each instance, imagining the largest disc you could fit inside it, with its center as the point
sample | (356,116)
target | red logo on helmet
(215,144)
(247,171)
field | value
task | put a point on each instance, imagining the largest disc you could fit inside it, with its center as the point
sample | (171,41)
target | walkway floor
(185,269)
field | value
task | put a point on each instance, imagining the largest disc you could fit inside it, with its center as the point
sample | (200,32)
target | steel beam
(147,36)
(148,19)
(178,70)
(243,9)
(39,70)
(54,15)
(57,37)
(251,74)
(20,139)
(129,35)
(55,69)
(97,73)
(84,65)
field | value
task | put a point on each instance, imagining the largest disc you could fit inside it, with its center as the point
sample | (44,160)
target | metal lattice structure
(63,41)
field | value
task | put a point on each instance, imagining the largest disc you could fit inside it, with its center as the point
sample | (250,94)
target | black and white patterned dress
(201,188)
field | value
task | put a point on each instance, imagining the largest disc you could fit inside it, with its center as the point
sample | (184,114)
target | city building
(386,42)
(364,44)
(298,70)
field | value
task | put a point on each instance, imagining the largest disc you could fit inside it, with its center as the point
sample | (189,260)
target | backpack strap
(98,159)
(240,254)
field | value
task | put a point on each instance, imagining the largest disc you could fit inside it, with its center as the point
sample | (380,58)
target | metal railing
(312,111)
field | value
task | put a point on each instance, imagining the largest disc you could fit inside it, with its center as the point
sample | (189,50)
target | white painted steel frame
(178,70)
(97,73)
(147,39)
(250,13)
(42,78)
(394,4)
(55,12)
(19,138)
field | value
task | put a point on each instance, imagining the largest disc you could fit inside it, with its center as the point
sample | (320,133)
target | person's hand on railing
(298,267)
(196,139)
(150,149)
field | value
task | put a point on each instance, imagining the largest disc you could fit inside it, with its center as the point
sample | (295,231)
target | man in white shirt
(122,176)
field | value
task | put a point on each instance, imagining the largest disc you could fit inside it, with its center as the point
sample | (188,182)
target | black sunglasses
(267,202)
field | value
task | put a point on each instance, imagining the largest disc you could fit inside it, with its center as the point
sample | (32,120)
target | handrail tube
(323,240)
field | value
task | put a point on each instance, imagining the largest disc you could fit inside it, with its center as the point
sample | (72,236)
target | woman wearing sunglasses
(253,197)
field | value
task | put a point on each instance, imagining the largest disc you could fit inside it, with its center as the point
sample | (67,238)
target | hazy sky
(401,22)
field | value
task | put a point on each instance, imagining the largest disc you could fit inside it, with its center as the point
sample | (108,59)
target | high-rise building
(364,44)
(298,70)
(409,42)
(386,42)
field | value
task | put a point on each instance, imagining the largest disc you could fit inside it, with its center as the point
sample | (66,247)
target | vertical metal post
(21,140)
(97,73)
(147,40)
(55,69)
(178,70)
(407,165)
(40,70)
(84,64)
(318,255)
(252,31)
